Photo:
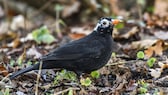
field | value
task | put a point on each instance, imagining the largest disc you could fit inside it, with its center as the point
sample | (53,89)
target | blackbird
(81,56)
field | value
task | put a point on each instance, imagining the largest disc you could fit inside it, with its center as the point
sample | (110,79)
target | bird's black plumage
(81,56)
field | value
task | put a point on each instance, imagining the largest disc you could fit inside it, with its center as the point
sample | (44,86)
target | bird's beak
(116,21)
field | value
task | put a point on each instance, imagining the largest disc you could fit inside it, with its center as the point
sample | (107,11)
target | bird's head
(105,25)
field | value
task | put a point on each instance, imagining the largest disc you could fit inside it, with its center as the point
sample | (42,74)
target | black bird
(81,56)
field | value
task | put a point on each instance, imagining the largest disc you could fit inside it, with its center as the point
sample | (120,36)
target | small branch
(66,90)
(38,77)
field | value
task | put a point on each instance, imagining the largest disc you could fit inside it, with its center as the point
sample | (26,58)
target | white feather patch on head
(95,29)
(107,23)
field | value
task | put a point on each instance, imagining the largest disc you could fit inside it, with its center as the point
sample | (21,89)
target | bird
(84,55)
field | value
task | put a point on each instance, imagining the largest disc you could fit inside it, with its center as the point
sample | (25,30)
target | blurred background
(60,15)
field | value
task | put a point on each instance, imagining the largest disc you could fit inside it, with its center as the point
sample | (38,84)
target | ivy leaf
(47,38)
(95,74)
(86,82)
(140,55)
(42,35)
(151,61)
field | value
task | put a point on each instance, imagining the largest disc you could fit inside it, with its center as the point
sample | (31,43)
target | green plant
(20,61)
(95,74)
(29,62)
(113,54)
(5,91)
(150,9)
(151,61)
(143,87)
(58,7)
(140,55)
(68,75)
(86,82)
(143,90)
(42,35)
(119,26)
(12,62)
(70,92)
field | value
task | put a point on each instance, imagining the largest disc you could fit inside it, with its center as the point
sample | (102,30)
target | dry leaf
(155,72)
(79,32)
(20,22)
(161,7)
(15,43)
(3,27)
(76,36)
(8,35)
(33,52)
(69,10)
(3,70)
(142,43)
(161,35)
(133,31)
(156,49)
(163,66)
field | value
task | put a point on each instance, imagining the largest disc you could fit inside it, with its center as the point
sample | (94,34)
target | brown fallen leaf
(142,43)
(8,35)
(3,70)
(156,49)
(16,43)
(69,10)
(161,35)
(161,7)
(75,36)
(79,32)
(163,66)
(130,33)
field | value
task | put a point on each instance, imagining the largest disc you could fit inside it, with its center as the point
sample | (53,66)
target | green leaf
(113,54)
(58,7)
(151,61)
(140,55)
(67,75)
(6,91)
(95,74)
(119,26)
(62,22)
(106,10)
(29,63)
(150,9)
(143,90)
(12,62)
(42,35)
(19,61)
(86,82)
(47,38)
(70,92)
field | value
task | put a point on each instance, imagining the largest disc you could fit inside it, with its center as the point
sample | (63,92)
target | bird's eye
(105,23)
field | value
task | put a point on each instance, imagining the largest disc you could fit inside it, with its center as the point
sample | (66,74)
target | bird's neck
(103,33)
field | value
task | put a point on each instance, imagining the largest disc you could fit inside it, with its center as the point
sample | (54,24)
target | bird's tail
(34,67)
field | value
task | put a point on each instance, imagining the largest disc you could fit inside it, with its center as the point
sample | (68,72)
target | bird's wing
(74,51)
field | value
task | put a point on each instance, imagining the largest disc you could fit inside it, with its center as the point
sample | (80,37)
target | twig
(66,90)
(38,77)
(5,77)
(5,7)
